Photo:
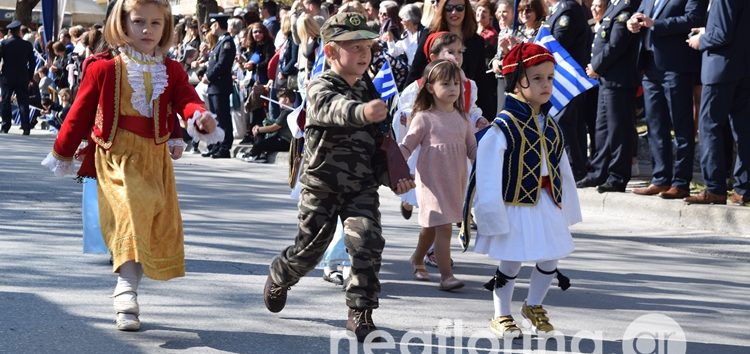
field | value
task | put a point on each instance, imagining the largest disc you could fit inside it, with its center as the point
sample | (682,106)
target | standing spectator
(568,24)
(725,99)
(458,16)
(670,68)
(613,62)
(18,64)
(410,18)
(504,15)
(268,12)
(219,76)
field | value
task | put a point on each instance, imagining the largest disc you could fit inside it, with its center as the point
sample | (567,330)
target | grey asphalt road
(629,276)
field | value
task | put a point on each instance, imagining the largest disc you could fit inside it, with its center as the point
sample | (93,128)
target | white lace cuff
(176,143)
(214,137)
(59,167)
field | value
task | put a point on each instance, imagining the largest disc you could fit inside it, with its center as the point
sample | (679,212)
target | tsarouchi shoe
(537,315)
(505,327)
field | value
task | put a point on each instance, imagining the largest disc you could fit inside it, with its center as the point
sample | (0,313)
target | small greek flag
(320,63)
(40,62)
(384,82)
(570,79)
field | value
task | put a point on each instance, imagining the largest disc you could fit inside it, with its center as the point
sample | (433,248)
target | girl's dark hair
(440,69)
(443,41)
(440,20)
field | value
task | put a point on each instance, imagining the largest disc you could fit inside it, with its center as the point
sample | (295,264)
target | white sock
(539,283)
(502,297)
(128,279)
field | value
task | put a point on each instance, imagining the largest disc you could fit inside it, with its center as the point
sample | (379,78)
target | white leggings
(538,285)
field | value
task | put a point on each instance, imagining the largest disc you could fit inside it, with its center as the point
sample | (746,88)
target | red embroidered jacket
(96,110)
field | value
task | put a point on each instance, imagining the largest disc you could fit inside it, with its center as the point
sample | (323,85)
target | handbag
(395,164)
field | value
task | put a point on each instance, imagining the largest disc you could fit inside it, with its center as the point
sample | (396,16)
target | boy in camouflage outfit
(341,175)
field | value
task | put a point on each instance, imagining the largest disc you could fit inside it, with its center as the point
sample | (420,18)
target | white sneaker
(127,322)
(127,302)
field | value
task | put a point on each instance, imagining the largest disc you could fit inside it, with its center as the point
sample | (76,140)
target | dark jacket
(615,50)
(18,60)
(726,45)
(570,28)
(220,61)
(672,23)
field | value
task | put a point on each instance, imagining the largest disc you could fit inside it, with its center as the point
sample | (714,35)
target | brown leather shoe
(675,193)
(652,189)
(359,321)
(706,197)
(738,199)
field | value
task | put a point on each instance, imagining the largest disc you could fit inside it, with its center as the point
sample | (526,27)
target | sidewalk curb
(719,218)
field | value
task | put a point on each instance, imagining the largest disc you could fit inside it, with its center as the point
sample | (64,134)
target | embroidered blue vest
(522,179)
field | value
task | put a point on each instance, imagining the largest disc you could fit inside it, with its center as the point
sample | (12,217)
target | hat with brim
(346,26)
(220,18)
(13,25)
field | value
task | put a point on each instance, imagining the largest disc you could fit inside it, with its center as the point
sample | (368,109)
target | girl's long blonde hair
(439,70)
(114,28)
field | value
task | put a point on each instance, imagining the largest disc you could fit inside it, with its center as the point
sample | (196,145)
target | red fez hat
(529,54)
(430,40)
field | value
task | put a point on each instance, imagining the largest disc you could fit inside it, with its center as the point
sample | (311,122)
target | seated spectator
(44,82)
(274,135)
(54,113)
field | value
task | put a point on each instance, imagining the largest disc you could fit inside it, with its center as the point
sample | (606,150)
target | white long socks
(128,279)
(540,282)
(501,297)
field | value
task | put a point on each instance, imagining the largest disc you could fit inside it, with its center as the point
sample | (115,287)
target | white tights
(538,285)
(130,276)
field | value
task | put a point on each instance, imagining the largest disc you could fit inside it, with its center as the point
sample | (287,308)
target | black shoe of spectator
(221,154)
(208,153)
(586,183)
(609,187)
(261,159)
(247,140)
(26,132)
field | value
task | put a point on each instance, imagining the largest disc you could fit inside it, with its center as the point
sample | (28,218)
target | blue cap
(13,25)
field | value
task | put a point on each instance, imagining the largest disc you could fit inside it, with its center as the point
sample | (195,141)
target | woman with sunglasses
(457,16)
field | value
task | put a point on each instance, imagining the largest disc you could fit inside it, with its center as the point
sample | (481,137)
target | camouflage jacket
(341,147)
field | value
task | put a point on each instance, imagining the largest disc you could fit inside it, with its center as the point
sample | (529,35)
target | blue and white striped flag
(570,79)
(384,82)
(40,62)
(320,63)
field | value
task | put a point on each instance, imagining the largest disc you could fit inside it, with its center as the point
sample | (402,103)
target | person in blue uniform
(567,23)
(725,99)
(613,62)
(219,76)
(18,63)
(670,68)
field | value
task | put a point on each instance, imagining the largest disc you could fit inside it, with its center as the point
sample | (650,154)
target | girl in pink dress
(441,130)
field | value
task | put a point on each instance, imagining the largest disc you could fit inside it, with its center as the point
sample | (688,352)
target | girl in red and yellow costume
(126,108)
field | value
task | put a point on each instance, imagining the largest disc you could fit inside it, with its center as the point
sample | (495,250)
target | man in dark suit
(725,99)
(567,23)
(669,72)
(613,62)
(219,76)
(18,70)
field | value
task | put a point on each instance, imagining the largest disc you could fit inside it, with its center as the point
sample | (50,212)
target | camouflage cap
(346,26)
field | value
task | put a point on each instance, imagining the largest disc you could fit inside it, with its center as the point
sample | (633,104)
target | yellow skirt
(138,208)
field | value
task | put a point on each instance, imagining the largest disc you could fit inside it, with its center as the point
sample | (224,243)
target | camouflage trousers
(318,214)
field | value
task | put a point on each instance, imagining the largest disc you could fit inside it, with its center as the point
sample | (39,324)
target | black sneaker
(360,322)
(274,295)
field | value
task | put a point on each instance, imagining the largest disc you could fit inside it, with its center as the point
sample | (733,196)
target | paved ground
(238,216)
